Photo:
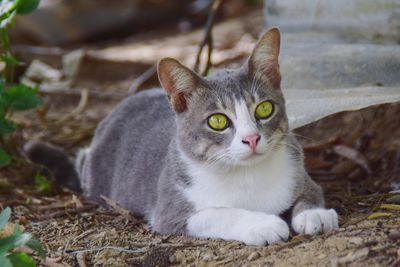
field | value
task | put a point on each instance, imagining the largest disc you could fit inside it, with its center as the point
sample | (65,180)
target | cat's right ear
(265,57)
(178,82)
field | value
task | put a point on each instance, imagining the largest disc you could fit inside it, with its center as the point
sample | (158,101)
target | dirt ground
(354,156)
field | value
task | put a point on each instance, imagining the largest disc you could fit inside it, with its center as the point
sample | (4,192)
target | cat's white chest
(267,187)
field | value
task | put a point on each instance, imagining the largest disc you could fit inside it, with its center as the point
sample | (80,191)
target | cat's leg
(252,228)
(309,215)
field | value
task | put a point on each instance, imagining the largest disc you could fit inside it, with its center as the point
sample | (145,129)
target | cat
(206,157)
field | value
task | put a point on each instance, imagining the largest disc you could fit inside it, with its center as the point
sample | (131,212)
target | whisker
(290,145)
(297,135)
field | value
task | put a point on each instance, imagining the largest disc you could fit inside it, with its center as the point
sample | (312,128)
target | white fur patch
(245,125)
(266,186)
(314,221)
(242,201)
(245,122)
(252,228)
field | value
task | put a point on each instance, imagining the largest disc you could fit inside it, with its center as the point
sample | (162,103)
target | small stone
(208,256)
(351,227)
(394,199)
(356,241)
(394,235)
(253,256)
(172,258)
(23,220)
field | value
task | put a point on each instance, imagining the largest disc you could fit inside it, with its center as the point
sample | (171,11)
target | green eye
(264,110)
(218,122)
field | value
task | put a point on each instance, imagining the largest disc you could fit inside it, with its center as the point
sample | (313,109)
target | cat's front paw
(315,221)
(264,230)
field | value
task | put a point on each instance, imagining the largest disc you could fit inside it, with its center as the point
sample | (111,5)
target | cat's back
(128,150)
(141,111)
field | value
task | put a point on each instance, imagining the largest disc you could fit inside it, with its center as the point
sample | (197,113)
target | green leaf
(3,107)
(43,184)
(1,85)
(22,97)
(7,126)
(4,217)
(5,262)
(27,6)
(5,159)
(7,20)
(17,230)
(13,241)
(21,259)
(36,246)
(9,60)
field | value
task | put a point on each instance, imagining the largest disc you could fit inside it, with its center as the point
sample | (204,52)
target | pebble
(394,235)
(253,256)
(394,199)
(351,227)
(208,256)
(172,258)
(356,241)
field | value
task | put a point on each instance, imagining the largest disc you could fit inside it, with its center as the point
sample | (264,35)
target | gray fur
(135,156)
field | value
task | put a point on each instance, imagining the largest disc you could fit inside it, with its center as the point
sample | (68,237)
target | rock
(208,256)
(304,106)
(394,235)
(65,22)
(253,256)
(357,19)
(356,241)
(172,258)
(320,66)
(395,199)
(39,71)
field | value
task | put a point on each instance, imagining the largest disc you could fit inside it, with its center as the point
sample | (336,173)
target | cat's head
(233,117)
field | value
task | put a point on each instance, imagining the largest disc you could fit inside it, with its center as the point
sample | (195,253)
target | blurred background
(88,55)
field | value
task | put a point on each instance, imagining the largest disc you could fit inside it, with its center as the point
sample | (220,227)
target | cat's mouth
(252,157)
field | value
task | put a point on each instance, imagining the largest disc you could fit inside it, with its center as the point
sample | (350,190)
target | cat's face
(234,117)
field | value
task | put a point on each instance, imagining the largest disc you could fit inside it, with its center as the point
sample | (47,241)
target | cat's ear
(264,59)
(178,82)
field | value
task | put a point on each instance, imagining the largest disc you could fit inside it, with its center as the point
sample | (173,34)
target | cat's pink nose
(252,141)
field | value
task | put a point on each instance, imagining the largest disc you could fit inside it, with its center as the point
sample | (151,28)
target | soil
(358,185)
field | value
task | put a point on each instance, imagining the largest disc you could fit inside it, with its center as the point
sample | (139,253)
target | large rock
(374,20)
(305,106)
(338,43)
(321,65)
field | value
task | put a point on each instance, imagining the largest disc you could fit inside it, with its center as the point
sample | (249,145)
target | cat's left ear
(178,82)
(265,57)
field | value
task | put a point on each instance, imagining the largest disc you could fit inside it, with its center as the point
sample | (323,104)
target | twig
(120,249)
(207,40)
(81,106)
(124,212)
(75,93)
(40,50)
(64,212)
(139,81)
(81,259)
(137,250)
(353,155)
(317,146)
(115,206)
(84,234)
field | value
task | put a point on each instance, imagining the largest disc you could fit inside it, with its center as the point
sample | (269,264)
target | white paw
(315,221)
(265,230)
